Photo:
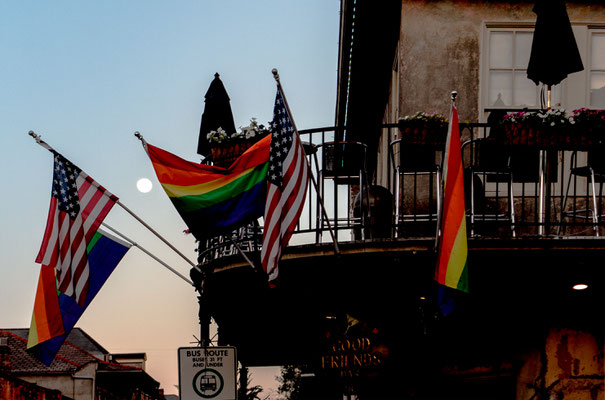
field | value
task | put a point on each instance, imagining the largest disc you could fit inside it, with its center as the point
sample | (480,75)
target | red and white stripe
(65,239)
(283,208)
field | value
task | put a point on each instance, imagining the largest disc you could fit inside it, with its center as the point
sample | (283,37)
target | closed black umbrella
(554,55)
(217,114)
(554,52)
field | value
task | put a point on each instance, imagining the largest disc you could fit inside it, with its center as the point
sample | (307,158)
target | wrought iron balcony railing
(512,191)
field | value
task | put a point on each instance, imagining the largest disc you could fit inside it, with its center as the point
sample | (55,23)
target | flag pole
(315,185)
(453,96)
(135,244)
(118,202)
(158,235)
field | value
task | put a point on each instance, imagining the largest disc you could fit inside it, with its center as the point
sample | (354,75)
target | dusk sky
(85,76)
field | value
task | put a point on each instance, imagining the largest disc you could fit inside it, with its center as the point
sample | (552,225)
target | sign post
(207,373)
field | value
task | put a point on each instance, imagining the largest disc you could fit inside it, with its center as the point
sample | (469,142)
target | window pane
(555,96)
(598,51)
(597,89)
(501,50)
(522,49)
(524,90)
(500,85)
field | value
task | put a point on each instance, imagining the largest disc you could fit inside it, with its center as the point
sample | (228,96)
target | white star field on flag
(281,142)
(65,189)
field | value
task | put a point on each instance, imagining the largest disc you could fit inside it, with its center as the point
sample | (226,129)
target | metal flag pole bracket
(315,185)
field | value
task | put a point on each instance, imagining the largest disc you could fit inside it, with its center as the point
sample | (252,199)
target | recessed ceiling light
(579,286)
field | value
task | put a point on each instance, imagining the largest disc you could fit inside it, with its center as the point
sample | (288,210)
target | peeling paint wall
(568,366)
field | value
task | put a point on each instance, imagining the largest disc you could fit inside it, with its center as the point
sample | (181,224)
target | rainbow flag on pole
(214,200)
(452,250)
(55,313)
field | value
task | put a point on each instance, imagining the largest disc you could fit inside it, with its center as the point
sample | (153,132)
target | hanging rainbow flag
(55,313)
(214,200)
(452,250)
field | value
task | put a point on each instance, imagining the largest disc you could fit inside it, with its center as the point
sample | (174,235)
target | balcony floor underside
(515,284)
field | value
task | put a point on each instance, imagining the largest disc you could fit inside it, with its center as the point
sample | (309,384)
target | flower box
(553,129)
(423,135)
(224,154)
(423,129)
(568,138)
(225,148)
(581,140)
(588,127)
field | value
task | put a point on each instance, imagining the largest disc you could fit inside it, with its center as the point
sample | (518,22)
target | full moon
(144,185)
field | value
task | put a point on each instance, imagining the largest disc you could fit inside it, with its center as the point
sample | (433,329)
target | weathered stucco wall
(569,366)
(439,49)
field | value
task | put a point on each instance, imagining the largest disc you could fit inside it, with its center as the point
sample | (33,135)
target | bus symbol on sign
(208,383)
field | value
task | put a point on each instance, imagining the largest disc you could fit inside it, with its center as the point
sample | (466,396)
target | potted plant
(226,148)
(423,128)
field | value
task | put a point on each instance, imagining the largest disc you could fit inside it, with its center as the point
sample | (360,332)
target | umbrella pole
(544,179)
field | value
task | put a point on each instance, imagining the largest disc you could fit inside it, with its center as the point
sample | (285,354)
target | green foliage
(248,392)
(289,388)
(432,120)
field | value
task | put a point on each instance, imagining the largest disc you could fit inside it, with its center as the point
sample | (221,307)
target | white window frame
(488,29)
(592,29)
(575,89)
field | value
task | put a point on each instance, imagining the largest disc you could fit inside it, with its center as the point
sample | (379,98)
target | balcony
(404,205)
(522,263)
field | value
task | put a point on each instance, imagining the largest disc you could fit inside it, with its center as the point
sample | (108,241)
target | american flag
(78,205)
(286,187)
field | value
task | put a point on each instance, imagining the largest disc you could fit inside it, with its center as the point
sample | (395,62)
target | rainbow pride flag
(214,200)
(452,250)
(55,313)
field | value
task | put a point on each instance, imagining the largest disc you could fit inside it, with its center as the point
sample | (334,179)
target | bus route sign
(207,373)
